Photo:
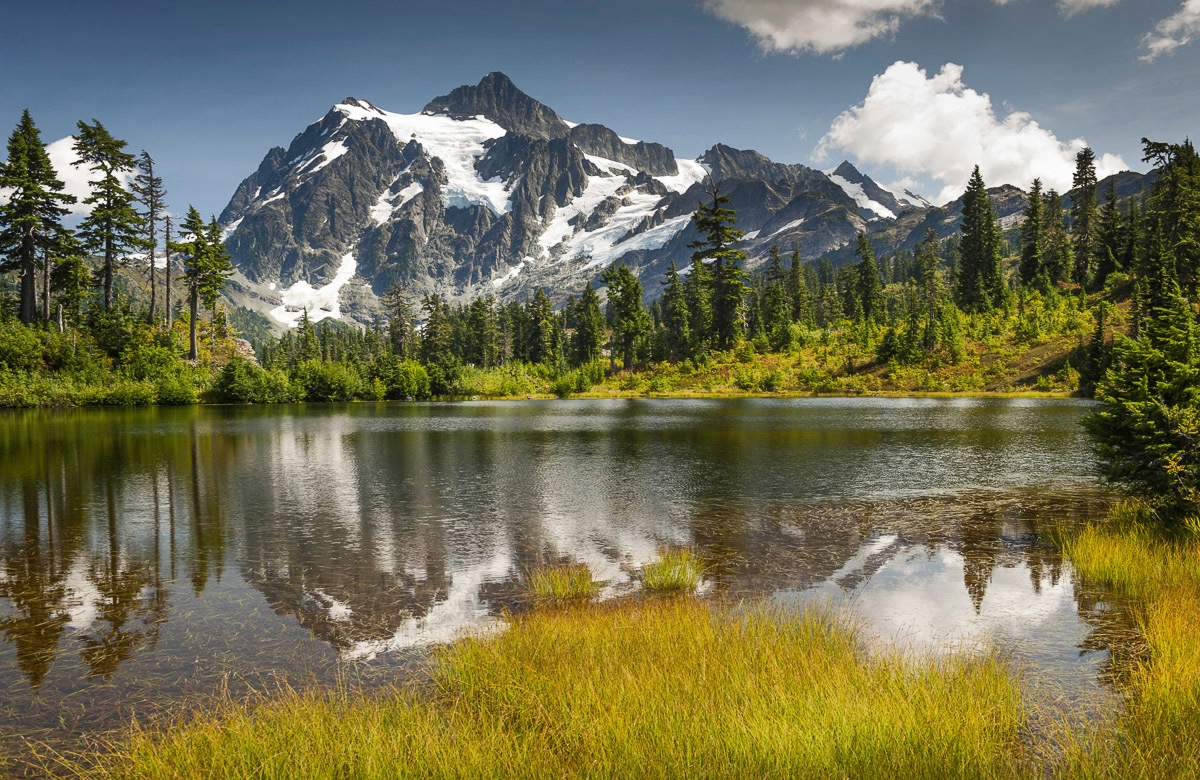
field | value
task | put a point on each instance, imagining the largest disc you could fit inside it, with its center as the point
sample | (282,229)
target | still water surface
(149,558)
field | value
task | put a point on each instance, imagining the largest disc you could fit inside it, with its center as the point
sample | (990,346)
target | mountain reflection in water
(148,557)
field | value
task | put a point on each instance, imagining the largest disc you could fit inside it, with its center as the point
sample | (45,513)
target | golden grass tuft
(675,571)
(561,583)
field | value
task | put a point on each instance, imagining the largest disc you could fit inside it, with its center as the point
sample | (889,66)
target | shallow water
(149,558)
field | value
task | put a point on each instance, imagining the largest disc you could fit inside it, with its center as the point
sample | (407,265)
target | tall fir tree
(776,305)
(1057,254)
(114,228)
(588,338)
(628,317)
(1083,216)
(799,291)
(31,227)
(1173,208)
(401,312)
(676,318)
(1030,268)
(980,279)
(870,291)
(718,244)
(151,194)
(1109,238)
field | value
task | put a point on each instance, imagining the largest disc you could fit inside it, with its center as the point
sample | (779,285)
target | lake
(150,558)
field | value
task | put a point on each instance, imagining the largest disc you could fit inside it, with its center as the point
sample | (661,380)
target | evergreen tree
(980,280)
(1148,430)
(542,328)
(436,335)
(931,292)
(630,322)
(193,245)
(1174,206)
(151,194)
(697,290)
(870,292)
(31,219)
(776,303)
(799,291)
(1109,238)
(716,223)
(113,229)
(483,333)
(1083,216)
(71,281)
(588,337)
(218,266)
(400,311)
(1030,268)
(676,319)
(1057,255)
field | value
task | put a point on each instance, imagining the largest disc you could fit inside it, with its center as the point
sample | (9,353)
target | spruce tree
(799,291)
(870,292)
(776,303)
(588,338)
(400,311)
(629,320)
(218,266)
(113,229)
(151,194)
(193,245)
(718,244)
(980,280)
(1109,238)
(1057,255)
(436,335)
(676,318)
(1174,206)
(1030,268)
(1083,216)
(31,220)
(698,292)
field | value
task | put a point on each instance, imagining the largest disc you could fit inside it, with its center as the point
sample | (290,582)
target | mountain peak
(849,172)
(500,100)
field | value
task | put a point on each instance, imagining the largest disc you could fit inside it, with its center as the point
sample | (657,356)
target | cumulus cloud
(74,176)
(1069,8)
(1174,31)
(819,26)
(935,126)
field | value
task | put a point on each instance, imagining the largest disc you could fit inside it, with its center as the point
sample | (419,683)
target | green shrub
(243,382)
(402,378)
(320,381)
(20,347)
(176,390)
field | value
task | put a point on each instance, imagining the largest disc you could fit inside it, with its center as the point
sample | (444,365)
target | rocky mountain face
(488,191)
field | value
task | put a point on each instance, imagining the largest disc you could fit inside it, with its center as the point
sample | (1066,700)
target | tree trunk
(28,311)
(108,273)
(153,297)
(167,286)
(46,288)
(194,292)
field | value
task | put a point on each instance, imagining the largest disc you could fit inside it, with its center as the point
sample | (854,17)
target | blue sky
(208,88)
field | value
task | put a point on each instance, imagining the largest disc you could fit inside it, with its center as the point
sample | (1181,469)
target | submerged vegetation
(675,571)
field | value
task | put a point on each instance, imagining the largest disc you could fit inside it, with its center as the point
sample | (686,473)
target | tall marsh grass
(1159,571)
(675,571)
(561,583)
(658,688)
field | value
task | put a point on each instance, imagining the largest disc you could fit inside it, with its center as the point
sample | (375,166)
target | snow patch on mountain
(391,202)
(320,302)
(855,191)
(690,172)
(457,143)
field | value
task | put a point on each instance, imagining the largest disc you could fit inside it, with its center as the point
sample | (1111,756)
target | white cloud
(820,26)
(1069,8)
(75,177)
(1174,31)
(938,127)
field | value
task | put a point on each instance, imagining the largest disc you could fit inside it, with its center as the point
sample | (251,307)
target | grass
(646,688)
(675,571)
(1158,735)
(561,583)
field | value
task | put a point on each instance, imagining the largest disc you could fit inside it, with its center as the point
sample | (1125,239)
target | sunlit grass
(1159,733)
(675,571)
(561,583)
(650,688)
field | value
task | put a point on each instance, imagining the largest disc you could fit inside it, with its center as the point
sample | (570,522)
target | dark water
(150,558)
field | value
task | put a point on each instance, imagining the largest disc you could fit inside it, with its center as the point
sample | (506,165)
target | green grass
(675,571)
(645,688)
(561,583)
(1158,735)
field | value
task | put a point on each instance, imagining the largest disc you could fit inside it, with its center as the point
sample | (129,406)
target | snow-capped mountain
(486,190)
